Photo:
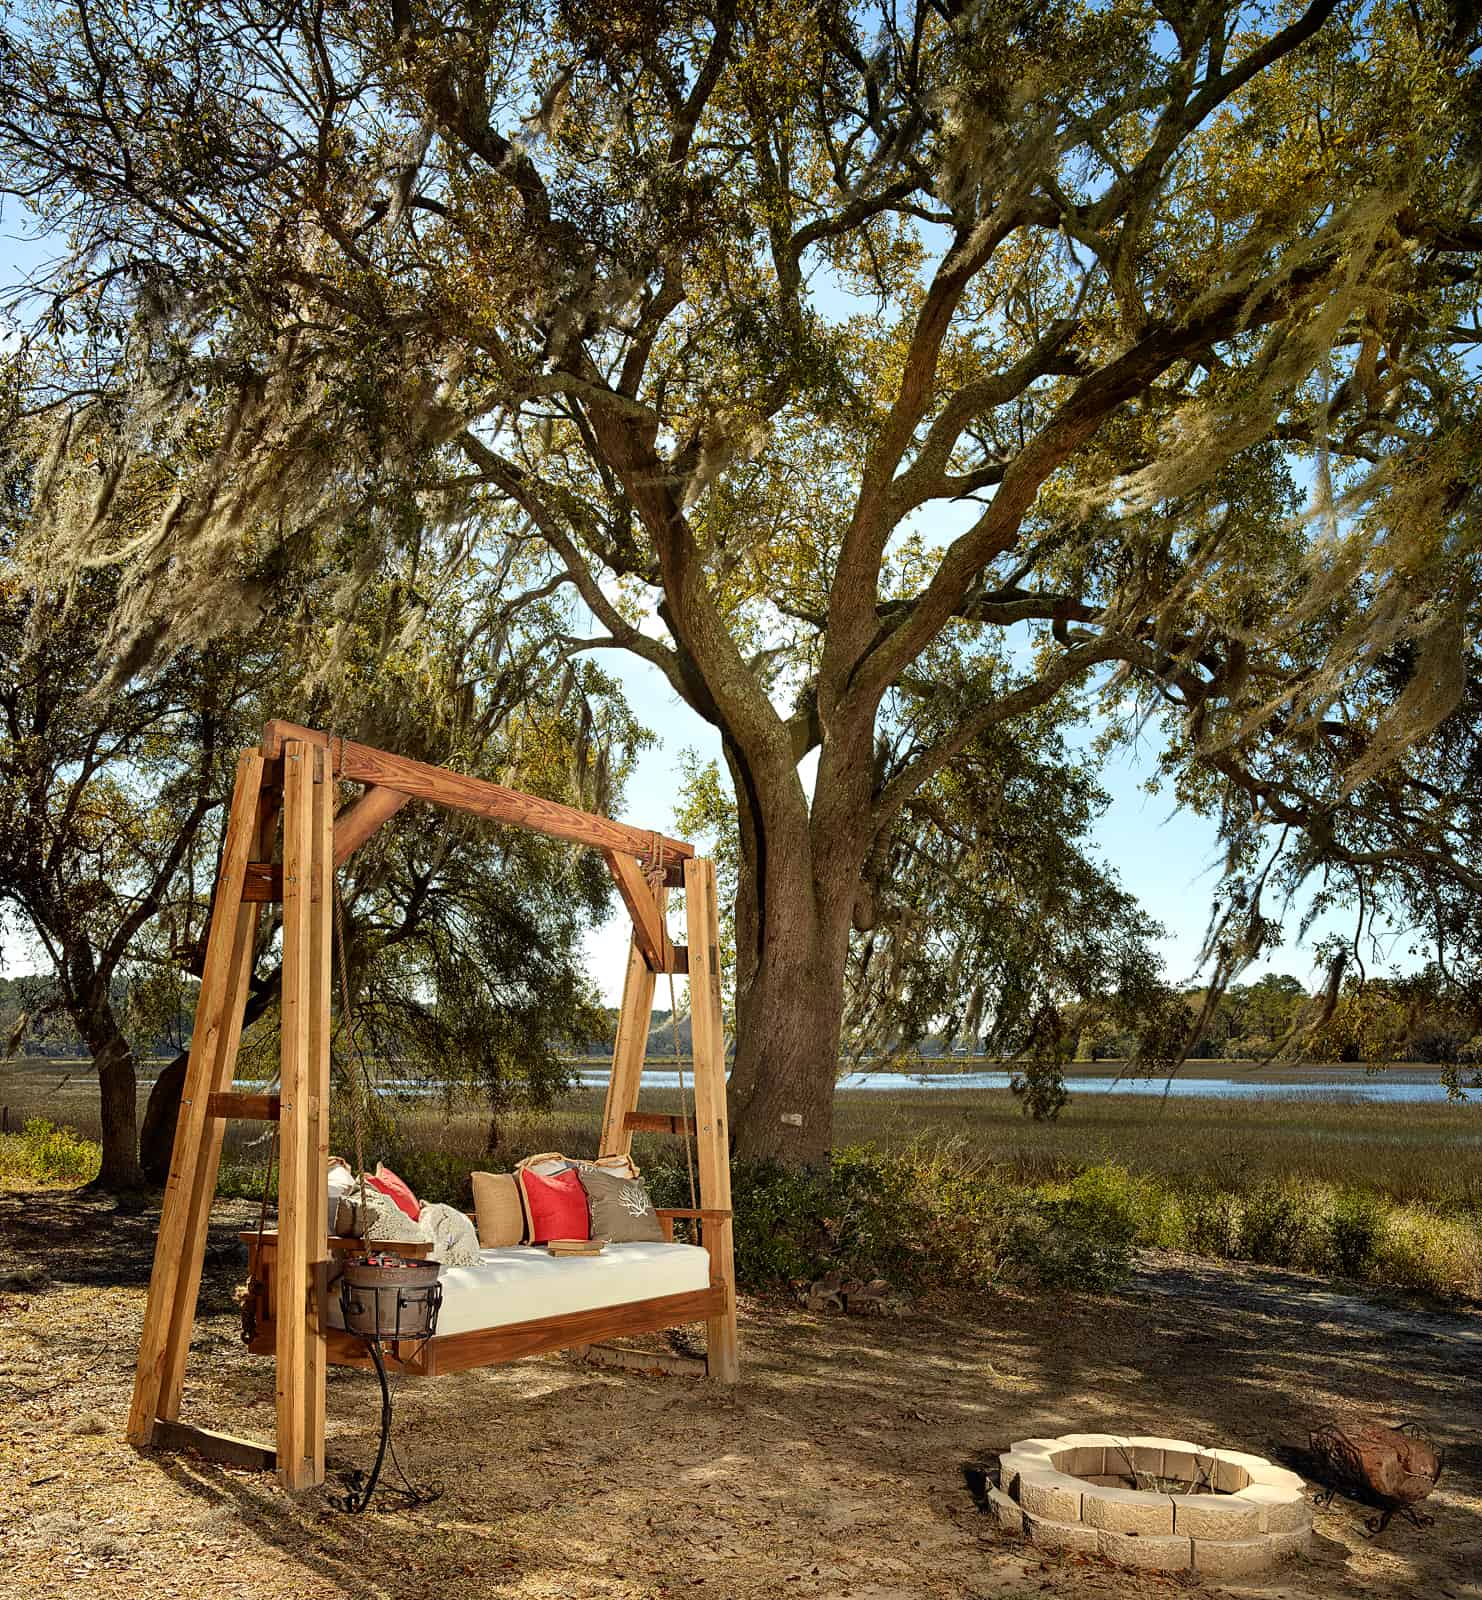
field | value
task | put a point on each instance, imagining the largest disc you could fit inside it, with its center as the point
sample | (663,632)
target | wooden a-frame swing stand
(293,777)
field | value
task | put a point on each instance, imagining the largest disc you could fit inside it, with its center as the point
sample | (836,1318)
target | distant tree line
(1372,1020)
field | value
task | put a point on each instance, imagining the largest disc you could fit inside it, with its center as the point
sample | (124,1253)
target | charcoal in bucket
(390,1297)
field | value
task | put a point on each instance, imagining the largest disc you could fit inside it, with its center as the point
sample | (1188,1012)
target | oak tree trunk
(794,900)
(117,1093)
(161,1113)
(787,1051)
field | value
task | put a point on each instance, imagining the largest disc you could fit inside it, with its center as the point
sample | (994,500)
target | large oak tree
(880,374)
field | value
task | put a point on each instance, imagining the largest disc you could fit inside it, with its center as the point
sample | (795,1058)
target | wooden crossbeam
(357,823)
(263,884)
(245,1107)
(643,908)
(630,1046)
(361,763)
(657,1122)
(223,1447)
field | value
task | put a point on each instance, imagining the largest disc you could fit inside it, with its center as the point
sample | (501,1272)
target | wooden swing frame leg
(174,1281)
(712,1136)
(303,1173)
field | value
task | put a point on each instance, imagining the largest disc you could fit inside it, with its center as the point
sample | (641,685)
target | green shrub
(1077,1235)
(42,1153)
(1210,1222)
(1434,1254)
(922,1219)
(1272,1223)
(1355,1226)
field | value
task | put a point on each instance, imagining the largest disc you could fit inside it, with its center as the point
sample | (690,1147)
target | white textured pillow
(342,1186)
(455,1240)
(384,1220)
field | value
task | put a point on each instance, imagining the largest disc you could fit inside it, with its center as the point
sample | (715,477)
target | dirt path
(833,1469)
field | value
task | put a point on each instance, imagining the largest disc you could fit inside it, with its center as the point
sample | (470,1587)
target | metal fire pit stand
(380,1310)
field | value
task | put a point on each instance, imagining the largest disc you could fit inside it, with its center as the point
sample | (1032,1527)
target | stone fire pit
(1159,1503)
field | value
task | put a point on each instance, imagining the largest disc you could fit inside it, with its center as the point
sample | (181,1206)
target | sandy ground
(833,1469)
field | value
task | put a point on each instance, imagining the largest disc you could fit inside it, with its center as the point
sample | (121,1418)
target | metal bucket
(390,1297)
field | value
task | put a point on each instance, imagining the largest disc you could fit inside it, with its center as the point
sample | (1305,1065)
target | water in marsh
(1384,1089)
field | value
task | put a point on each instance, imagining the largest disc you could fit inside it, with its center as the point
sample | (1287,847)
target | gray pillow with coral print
(621,1210)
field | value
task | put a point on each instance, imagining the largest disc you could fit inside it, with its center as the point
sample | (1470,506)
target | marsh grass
(1384,1194)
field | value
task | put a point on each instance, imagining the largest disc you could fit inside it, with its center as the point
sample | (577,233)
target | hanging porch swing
(294,775)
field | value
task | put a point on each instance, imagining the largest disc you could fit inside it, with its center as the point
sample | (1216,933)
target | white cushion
(522,1282)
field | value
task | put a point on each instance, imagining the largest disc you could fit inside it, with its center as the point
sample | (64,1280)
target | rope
(684,1115)
(359,1079)
(654,871)
(357,1088)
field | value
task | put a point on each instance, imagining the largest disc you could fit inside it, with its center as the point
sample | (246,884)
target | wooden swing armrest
(668,1215)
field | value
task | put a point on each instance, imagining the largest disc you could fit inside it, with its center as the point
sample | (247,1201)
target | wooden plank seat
(487,1307)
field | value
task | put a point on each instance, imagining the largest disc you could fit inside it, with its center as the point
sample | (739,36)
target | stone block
(1086,1452)
(1231,1558)
(1182,1459)
(1005,1512)
(1049,1494)
(1215,1516)
(1294,1543)
(1127,1510)
(1232,1469)
(1011,1465)
(1139,1454)
(1279,1510)
(1160,1552)
(1071,1538)
(1034,1447)
(1268,1473)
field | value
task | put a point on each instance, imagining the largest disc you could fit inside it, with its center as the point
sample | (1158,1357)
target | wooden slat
(244,1107)
(317,1150)
(294,1203)
(214,1005)
(360,763)
(355,825)
(628,1051)
(657,1122)
(486,1347)
(712,1142)
(643,908)
(223,1447)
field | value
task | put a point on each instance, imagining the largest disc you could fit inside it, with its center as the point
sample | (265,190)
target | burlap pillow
(620,1208)
(497,1209)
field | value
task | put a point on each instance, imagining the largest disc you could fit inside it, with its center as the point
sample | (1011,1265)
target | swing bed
(293,778)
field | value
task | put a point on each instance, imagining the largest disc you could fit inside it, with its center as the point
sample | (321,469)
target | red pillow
(557,1206)
(387,1183)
